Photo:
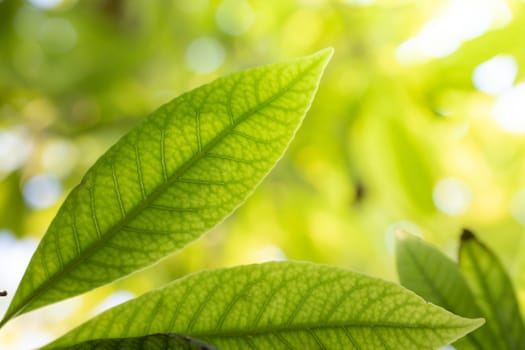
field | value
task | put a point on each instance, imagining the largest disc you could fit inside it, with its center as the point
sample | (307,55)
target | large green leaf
(175,176)
(282,305)
(493,291)
(429,273)
(167,341)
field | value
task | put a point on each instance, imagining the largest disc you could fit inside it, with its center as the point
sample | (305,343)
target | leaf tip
(467,235)
(468,325)
(475,323)
(325,53)
(322,56)
(402,235)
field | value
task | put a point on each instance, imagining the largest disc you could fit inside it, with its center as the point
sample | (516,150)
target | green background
(391,121)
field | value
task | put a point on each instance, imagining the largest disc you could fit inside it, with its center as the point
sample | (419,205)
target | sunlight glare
(42,191)
(45,4)
(205,55)
(460,20)
(496,75)
(235,17)
(269,253)
(509,110)
(112,300)
(15,150)
(452,196)
(17,253)
(59,157)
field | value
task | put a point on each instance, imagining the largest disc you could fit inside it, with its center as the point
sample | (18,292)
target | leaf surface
(493,291)
(172,178)
(167,341)
(282,305)
(432,275)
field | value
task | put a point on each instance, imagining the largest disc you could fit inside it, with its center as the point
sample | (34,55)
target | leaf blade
(432,275)
(282,305)
(493,291)
(175,176)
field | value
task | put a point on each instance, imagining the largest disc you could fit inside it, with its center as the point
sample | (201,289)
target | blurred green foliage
(386,129)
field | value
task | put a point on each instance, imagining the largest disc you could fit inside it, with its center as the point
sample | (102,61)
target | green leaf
(493,291)
(282,305)
(169,341)
(432,275)
(175,176)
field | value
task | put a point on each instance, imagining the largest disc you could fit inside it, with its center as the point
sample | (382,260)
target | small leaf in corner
(432,275)
(493,292)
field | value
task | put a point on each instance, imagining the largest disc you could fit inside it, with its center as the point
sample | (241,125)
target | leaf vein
(175,209)
(202,305)
(229,101)
(268,299)
(198,129)
(139,171)
(351,338)
(58,252)
(317,339)
(251,137)
(163,155)
(234,300)
(93,212)
(76,237)
(145,230)
(283,340)
(201,182)
(233,159)
(117,190)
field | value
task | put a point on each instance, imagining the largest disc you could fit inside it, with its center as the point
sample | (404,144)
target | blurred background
(419,124)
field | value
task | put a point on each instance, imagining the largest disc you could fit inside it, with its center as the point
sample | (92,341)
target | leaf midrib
(318,326)
(430,282)
(304,327)
(134,212)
